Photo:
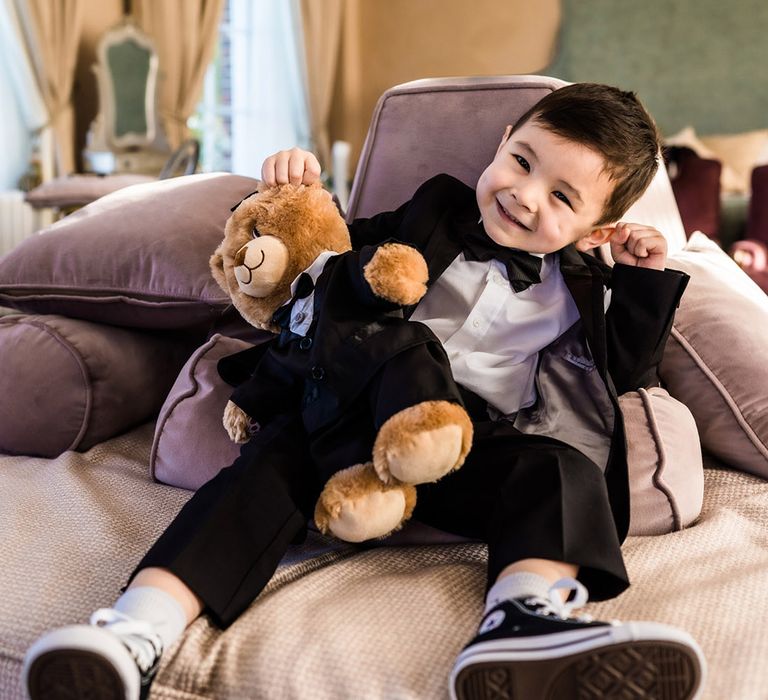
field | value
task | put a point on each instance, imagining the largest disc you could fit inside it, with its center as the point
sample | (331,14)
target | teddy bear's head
(271,237)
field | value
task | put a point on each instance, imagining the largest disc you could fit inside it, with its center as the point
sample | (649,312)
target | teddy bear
(381,410)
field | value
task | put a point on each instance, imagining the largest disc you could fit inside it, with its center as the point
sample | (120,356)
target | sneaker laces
(138,636)
(554,604)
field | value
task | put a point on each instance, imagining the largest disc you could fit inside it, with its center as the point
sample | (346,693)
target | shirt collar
(314,269)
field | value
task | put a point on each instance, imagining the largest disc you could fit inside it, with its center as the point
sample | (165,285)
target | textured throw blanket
(341,622)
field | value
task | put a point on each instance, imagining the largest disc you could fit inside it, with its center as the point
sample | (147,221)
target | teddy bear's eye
(255,232)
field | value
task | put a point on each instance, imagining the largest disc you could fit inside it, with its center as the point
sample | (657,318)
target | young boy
(542,339)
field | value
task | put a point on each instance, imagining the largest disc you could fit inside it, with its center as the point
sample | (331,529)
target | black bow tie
(304,287)
(522,268)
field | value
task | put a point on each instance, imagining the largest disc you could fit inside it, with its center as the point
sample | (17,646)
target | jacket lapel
(586,287)
(441,249)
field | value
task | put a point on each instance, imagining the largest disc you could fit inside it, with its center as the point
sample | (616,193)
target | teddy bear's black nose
(240,256)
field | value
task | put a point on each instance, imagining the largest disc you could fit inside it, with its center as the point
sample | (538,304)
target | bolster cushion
(67,384)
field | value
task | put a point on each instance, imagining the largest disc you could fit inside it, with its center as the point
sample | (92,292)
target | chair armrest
(696,186)
(757,218)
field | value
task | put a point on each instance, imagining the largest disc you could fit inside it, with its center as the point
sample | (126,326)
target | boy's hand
(295,166)
(639,245)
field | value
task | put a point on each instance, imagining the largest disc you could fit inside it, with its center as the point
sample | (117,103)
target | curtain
(185,33)
(322,32)
(52,31)
(24,111)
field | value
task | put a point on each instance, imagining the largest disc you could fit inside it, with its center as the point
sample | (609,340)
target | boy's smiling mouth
(509,217)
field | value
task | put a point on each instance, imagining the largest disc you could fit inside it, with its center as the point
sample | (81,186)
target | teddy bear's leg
(423,443)
(356,506)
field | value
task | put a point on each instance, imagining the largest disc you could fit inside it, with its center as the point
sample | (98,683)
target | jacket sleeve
(638,323)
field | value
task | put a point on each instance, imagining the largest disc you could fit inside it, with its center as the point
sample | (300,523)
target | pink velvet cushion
(666,475)
(190,444)
(67,384)
(137,257)
(714,361)
(666,471)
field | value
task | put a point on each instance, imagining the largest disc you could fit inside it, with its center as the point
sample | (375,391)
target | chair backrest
(454,126)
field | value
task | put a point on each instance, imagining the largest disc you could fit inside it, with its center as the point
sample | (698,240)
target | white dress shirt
(492,334)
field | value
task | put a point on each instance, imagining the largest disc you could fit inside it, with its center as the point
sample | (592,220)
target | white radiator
(17,219)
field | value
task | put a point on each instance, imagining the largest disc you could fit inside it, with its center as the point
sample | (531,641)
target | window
(254,100)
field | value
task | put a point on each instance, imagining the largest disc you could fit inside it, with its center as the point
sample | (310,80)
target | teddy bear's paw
(237,423)
(397,273)
(423,443)
(356,506)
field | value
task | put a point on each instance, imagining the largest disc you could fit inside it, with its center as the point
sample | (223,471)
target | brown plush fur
(397,273)
(354,483)
(236,423)
(304,217)
(401,429)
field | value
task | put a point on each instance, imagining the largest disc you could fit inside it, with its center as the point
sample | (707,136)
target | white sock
(158,608)
(519,585)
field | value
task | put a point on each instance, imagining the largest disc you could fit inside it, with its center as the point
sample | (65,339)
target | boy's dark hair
(612,122)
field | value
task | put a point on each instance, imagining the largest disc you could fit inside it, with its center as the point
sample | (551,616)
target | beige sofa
(339,621)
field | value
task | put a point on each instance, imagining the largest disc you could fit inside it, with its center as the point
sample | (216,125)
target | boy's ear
(596,238)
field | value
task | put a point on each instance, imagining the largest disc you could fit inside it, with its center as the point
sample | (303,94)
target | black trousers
(526,496)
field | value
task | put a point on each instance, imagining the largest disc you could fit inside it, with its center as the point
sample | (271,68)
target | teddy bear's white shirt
(302,312)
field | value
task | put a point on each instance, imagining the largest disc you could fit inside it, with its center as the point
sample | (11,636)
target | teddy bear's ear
(242,200)
(217,270)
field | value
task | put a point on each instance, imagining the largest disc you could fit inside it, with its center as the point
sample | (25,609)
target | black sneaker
(529,649)
(113,658)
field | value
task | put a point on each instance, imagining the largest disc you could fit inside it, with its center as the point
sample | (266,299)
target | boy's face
(542,192)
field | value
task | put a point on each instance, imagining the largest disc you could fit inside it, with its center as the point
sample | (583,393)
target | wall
(693,62)
(387,42)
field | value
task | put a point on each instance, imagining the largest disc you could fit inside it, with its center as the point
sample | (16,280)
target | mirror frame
(125,32)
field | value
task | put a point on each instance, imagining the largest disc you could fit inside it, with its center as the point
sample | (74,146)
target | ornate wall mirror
(131,78)
(128,123)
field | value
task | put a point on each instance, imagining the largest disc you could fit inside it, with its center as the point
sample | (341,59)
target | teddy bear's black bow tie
(304,287)
(523,269)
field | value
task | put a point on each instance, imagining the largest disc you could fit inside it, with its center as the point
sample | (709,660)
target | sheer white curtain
(269,107)
(23,109)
